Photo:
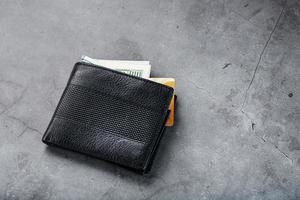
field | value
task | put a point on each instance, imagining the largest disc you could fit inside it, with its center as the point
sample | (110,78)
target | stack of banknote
(136,68)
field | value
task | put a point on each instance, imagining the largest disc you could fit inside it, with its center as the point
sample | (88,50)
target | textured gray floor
(237,66)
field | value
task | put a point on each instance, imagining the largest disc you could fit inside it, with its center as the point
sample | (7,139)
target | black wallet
(110,115)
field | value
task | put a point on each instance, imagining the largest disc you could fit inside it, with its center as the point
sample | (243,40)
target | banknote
(135,68)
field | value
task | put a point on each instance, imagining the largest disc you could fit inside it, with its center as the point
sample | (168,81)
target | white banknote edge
(135,62)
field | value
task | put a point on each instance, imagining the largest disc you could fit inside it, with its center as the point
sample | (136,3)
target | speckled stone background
(237,67)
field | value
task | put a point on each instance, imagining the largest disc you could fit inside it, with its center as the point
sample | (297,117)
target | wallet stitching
(121,73)
(91,126)
(117,97)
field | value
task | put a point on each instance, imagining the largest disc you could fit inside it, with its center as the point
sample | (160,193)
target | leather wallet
(110,115)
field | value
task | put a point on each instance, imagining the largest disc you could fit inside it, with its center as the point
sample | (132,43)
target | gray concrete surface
(237,133)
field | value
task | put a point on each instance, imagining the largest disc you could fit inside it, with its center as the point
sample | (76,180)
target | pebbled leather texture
(111,116)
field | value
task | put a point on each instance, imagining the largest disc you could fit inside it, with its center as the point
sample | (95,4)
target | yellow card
(171,83)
